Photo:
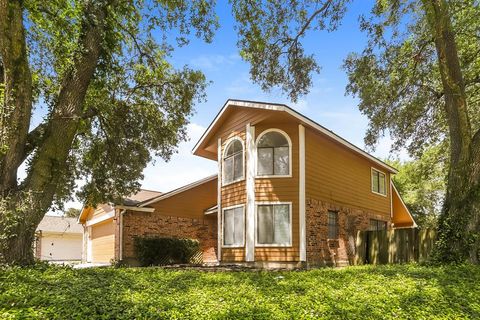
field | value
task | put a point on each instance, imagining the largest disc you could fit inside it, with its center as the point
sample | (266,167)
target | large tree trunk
(26,205)
(15,110)
(459,229)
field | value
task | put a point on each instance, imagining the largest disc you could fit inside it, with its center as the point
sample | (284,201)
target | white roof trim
(179,190)
(134,208)
(102,218)
(406,208)
(281,107)
(211,210)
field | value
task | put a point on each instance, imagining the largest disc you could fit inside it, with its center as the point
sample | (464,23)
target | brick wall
(154,224)
(341,251)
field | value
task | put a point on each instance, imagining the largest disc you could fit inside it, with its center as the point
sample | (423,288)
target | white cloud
(214,61)
(183,167)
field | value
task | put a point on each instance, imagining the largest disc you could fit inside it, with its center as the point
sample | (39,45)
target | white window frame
(223,227)
(290,159)
(371,182)
(227,143)
(262,245)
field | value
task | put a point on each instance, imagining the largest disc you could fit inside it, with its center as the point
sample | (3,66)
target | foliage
(417,80)
(154,251)
(386,292)
(72,213)
(421,182)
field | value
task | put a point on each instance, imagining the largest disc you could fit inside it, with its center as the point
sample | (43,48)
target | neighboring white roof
(59,224)
(287,109)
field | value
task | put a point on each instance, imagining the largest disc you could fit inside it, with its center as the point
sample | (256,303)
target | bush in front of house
(157,251)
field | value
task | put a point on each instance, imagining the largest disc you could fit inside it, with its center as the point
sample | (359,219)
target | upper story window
(273,154)
(379,184)
(233,162)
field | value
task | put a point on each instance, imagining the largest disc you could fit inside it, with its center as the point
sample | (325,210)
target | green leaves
(386,292)
(270,34)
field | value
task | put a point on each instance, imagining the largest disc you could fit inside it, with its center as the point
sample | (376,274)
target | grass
(384,292)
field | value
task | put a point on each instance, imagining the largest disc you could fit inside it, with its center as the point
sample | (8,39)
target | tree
(100,71)
(421,182)
(417,79)
(72,213)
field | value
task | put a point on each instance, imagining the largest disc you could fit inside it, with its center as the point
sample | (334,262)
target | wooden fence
(394,246)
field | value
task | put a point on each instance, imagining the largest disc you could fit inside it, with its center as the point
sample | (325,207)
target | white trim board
(102,218)
(305,120)
(301,194)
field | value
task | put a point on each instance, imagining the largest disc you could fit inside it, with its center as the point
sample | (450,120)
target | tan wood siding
(233,254)
(190,203)
(338,175)
(103,241)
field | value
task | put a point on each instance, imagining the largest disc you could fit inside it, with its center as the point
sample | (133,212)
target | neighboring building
(289,193)
(59,239)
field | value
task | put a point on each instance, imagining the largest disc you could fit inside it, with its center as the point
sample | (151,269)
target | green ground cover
(368,292)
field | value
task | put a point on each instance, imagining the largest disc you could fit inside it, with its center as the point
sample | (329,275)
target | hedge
(155,251)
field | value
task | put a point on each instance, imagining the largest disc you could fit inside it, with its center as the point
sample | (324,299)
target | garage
(102,241)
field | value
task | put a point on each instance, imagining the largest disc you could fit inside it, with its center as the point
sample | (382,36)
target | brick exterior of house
(322,251)
(153,224)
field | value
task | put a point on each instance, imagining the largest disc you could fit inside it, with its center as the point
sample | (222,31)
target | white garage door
(61,247)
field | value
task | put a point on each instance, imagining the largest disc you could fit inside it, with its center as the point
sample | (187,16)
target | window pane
(265,224)
(228,225)
(332,225)
(228,170)
(238,166)
(281,161)
(238,224)
(273,139)
(381,178)
(282,224)
(265,161)
(233,147)
(375,181)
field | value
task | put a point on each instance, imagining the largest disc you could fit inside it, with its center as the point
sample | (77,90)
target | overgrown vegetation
(402,291)
(155,251)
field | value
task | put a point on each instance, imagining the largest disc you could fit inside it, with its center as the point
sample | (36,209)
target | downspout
(120,236)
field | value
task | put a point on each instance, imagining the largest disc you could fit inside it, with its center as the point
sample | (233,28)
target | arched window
(273,154)
(233,162)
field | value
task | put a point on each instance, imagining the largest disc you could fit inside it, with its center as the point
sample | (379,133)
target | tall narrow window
(379,182)
(233,162)
(273,154)
(332,225)
(274,224)
(233,227)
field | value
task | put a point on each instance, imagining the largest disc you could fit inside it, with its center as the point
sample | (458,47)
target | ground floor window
(274,224)
(332,225)
(234,226)
(376,225)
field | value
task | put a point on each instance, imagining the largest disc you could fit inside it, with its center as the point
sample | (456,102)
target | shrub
(154,251)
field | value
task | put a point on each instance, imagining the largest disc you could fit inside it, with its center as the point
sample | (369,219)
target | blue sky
(220,62)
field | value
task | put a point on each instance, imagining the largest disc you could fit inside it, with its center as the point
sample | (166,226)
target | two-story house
(288,192)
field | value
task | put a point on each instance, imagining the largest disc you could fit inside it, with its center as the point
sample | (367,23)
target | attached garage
(102,241)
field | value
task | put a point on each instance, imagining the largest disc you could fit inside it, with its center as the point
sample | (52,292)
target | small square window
(379,184)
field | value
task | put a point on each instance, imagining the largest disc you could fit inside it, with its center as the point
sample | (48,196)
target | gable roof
(59,224)
(284,108)
(133,199)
